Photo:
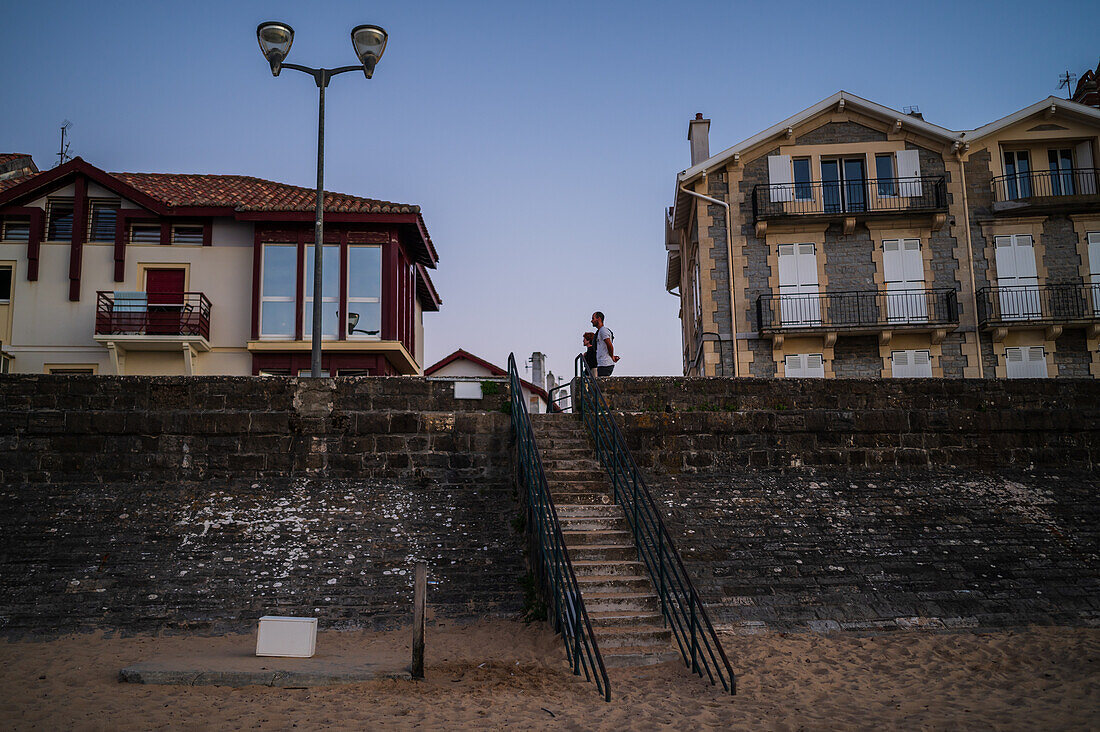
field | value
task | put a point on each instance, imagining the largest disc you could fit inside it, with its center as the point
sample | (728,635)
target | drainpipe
(959,149)
(729,263)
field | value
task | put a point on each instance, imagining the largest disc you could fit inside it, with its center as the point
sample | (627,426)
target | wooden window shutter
(908,170)
(780,179)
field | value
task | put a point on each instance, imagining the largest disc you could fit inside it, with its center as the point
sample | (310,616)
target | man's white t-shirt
(602,357)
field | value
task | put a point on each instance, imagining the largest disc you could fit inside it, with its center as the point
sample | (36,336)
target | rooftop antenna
(1066,80)
(63,156)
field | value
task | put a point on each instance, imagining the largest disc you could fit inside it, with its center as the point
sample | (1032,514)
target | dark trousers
(604,370)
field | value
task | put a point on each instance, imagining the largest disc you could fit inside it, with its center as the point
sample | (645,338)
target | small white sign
(467,390)
(283,636)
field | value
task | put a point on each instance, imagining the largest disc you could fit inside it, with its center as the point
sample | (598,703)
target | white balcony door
(1017,279)
(798,291)
(903,267)
(1094,270)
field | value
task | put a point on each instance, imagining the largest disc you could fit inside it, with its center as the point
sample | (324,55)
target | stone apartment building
(867,242)
(184,274)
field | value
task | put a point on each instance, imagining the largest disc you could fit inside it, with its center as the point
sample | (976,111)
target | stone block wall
(203,503)
(679,425)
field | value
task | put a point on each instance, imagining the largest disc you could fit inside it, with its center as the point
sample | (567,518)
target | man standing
(605,348)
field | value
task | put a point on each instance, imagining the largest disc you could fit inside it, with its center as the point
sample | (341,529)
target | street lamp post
(369,42)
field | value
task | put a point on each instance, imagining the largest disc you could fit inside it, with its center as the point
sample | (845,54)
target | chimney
(913,111)
(698,137)
(538,369)
(551,382)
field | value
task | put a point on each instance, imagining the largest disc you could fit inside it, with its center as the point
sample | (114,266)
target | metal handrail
(681,605)
(1060,302)
(550,558)
(857,309)
(842,198)
(560,398)
(1046,184)
(152,313)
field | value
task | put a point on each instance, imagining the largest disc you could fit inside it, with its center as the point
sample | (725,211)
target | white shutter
(909,167)
(815,365)
(804,365)
(899,366)
(922,364)
(1086,178)
(1025,258)
(1094,270)
(1036,362)
(914,263)
(780,179)
(892,264)
(788,266)
(1025,362)
(792,366)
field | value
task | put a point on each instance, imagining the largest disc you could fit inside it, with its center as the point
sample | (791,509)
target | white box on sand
(281,636)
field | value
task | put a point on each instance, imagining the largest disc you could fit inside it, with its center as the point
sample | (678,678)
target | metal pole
(319,229)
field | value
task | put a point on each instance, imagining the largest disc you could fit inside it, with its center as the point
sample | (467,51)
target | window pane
(330,318)
(145,233)
(17,230)
(277,318)
(5,283)
(370,318)
(187,235)
(280,264)
(884,170)
(104,216)
(364,272)
(61,222)
(330,271)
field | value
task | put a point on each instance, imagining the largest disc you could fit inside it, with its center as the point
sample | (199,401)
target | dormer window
(17,230)
(59,219)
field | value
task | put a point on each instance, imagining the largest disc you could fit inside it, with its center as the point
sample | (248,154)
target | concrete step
(598,602)
(624,619)
(594,523)
(596,567)
(641,636)
(616,538)
(548,443)
(568,453)
(608,583)
(561,486)
(628,656)
(582,498)
(601,552)
(587,510)
(551,461)
(557,475)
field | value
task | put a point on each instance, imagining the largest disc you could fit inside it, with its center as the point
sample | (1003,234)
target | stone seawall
(159,503)
(676,425)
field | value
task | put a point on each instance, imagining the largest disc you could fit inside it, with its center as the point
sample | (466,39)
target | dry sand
(504,675)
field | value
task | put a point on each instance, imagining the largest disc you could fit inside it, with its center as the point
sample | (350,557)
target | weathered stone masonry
(158,503)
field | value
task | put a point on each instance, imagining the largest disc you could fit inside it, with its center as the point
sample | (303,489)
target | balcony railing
(857,311)
(845,198)
(152,314)
(1039,304)
(1047,184)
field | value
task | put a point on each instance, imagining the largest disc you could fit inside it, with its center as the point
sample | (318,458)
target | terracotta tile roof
(7,183)
(8,157)
(245,193)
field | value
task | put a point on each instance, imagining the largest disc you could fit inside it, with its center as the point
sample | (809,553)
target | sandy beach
(506,675)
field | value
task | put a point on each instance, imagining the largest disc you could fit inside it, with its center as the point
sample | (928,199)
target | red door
(164,288)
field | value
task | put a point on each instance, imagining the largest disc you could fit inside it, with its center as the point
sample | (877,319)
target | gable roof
(227,195)
(461,355)
(1060,105)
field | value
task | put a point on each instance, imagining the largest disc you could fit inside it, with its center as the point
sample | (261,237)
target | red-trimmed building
(463,366)
(155,273)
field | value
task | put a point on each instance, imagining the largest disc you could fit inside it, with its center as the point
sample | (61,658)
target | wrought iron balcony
(835,199)
(181,314)
(1046,188)
(1058,304)
(857,311)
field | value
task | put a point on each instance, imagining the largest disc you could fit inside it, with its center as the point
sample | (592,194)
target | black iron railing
(549,558)
(1047,184)
(152,313)
(842,198)
(681,606)
(1072,302)
(560,398)
(859,309)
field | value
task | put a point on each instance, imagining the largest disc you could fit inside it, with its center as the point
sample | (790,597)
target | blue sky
(541,139)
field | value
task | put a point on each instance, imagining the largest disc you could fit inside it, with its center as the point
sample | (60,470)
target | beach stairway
(621,600)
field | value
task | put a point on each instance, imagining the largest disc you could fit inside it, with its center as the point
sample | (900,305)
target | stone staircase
(620,598)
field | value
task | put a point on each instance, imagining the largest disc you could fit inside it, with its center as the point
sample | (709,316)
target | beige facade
(852,240)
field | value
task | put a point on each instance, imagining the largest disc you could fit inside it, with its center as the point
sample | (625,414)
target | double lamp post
(369,42)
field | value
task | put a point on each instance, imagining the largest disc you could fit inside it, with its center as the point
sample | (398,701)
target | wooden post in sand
(420,589)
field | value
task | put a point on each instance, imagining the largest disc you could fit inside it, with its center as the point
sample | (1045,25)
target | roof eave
(1084,110)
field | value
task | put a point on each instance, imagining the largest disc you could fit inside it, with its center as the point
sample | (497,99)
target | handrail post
(661,574)
(694,642)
